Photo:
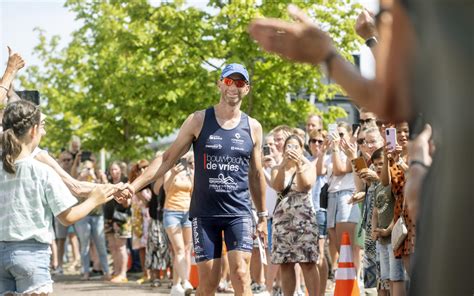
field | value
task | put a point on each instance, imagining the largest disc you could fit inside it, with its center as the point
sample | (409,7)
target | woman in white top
(341,215)
(30,194)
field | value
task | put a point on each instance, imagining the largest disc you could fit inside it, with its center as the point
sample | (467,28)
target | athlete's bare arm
(188,132)
(257,177)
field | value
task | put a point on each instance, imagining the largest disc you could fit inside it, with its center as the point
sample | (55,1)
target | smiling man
(227,154)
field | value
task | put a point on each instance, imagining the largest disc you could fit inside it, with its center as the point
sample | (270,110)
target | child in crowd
(31,193)
(391,269)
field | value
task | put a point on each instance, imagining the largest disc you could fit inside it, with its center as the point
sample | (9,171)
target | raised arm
(305,176)
(15,63)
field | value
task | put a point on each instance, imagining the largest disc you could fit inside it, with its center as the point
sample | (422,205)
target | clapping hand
(356,198)
(349,149)
(368,175)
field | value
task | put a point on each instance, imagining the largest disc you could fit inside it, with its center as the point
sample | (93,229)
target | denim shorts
(176,219)
(339,210)
(24,267)
(207,236)
(391,268)
(322,220)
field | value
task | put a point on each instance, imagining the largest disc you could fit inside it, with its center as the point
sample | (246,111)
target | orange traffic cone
(346,276)
(193,273)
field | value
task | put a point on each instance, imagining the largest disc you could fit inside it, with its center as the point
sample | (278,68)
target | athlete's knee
(208,285)
(240,273)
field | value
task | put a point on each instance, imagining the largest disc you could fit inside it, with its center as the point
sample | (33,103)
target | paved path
(72,285)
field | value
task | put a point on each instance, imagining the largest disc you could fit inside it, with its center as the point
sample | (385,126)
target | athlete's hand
(261,229)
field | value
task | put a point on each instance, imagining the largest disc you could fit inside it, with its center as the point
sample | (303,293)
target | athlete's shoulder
(255,124)
(196,117)
(194,122)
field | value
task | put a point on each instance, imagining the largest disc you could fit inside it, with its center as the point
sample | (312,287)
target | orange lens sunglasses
(239,82)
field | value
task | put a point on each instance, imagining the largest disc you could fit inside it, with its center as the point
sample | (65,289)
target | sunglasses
(314,141)
(361,141)
(366,121)
(238,82)
(67,159)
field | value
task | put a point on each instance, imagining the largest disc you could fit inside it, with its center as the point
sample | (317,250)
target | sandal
(119,280)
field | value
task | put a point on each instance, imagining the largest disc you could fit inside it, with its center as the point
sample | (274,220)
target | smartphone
(355,126)
(359,163)
(29,95)
(332,128)
(391,138)
(291,146)
(183,161)
(266,150)
(85,155)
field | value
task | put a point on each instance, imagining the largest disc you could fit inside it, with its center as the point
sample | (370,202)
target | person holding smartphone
(295,230)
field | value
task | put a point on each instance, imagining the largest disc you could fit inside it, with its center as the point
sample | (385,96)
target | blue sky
(18,18)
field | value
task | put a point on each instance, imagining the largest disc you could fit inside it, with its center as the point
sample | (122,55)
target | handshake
(121,192)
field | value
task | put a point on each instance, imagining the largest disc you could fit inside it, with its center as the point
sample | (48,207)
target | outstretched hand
(302,41)
(124,192)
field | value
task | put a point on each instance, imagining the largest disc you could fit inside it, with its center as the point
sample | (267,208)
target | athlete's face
(231,94)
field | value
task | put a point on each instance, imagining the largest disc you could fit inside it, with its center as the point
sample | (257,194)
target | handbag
(399,233)
(324,196)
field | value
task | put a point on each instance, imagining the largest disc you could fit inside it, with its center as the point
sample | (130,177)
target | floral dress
(398,183)
(294,229)
(140,222)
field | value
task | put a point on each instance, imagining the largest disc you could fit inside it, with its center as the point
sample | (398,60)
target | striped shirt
(29,200)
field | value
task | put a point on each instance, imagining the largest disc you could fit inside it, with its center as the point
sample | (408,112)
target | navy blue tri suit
(221,198)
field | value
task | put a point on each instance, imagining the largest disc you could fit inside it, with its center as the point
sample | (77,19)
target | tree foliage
(133,72)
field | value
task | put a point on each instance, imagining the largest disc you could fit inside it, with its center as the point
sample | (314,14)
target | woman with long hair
(294,229)
(178,185)
(118,228)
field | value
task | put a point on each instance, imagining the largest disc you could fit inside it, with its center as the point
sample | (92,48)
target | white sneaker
(177,290)
(188,288)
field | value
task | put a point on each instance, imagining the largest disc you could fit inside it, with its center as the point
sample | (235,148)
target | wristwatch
(371,42)
(262,214)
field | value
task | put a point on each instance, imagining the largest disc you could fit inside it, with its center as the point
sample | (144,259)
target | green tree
(133,72)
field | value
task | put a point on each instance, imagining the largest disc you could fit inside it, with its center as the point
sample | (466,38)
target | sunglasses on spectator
(314,141)
(66,159)
(238,82)
(366,121)
(361,141)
